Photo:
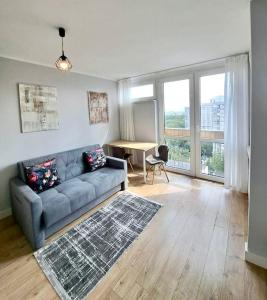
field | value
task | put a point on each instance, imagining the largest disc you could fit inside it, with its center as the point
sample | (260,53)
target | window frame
(142,83)
(198,75)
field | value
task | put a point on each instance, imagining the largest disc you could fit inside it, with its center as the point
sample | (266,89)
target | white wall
(257,240)
(145,121)
(74,131)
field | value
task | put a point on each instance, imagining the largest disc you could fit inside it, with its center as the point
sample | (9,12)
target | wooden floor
(192,249)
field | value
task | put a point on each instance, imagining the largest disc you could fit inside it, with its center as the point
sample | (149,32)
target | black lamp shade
(63,63)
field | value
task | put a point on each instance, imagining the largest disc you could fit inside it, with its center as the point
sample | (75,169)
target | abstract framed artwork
(98,107)
(38,108)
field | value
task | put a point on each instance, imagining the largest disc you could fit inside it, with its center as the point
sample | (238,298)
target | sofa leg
(39,243)
(124,185)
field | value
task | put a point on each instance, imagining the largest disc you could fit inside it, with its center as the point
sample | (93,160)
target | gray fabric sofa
(41,215)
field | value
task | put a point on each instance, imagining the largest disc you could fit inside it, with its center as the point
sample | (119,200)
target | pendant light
(63,63)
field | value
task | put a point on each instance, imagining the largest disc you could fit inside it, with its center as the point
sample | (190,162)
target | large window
(142,91)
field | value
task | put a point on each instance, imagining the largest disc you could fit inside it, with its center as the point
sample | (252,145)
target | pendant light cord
(62,45)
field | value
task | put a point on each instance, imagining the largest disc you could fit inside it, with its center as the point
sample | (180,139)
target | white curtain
(126,111)
(236,132)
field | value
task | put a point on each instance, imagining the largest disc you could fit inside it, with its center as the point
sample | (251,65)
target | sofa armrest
(118,163)
(27,209)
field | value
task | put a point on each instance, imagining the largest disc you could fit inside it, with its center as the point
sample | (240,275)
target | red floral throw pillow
(95,159)
(42,176)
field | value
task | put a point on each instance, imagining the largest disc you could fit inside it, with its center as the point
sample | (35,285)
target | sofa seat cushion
(104,179)
(66,198)
(56,206)
(79,192)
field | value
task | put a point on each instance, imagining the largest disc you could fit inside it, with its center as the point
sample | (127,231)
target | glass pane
(212,102)
(212,159)
(177,108)
(142,91)
(179,153)
(177,123)
(212,124)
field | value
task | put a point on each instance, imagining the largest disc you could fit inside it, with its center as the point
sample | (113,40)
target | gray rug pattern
(79,259)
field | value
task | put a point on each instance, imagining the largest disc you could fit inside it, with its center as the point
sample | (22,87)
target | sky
(176,93)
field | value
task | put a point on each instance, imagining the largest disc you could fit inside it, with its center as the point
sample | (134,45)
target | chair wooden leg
(165,173)
(153,175)
(129,161)
(149,169)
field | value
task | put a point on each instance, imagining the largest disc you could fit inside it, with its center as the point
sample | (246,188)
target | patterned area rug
(79,259)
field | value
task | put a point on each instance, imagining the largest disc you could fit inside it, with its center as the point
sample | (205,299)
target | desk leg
(144,165)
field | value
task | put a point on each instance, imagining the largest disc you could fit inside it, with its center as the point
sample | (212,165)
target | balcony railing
(185,133)
(212,150)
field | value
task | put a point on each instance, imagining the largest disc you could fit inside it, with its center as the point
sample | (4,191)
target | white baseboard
(255,258)
(5,213)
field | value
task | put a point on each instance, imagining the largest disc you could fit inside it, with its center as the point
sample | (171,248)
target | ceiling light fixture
(63,63)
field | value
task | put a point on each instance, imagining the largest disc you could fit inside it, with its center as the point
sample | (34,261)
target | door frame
(197,76)
(160,93)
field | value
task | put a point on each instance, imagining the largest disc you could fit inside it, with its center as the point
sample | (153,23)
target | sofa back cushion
(69,163)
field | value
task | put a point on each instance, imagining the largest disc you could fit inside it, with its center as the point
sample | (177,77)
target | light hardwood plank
(212,278)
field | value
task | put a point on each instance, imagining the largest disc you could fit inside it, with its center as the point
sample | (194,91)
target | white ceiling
(121,38)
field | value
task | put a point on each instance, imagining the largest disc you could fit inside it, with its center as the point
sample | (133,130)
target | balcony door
(192,123)
(178,128)
(209,87)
